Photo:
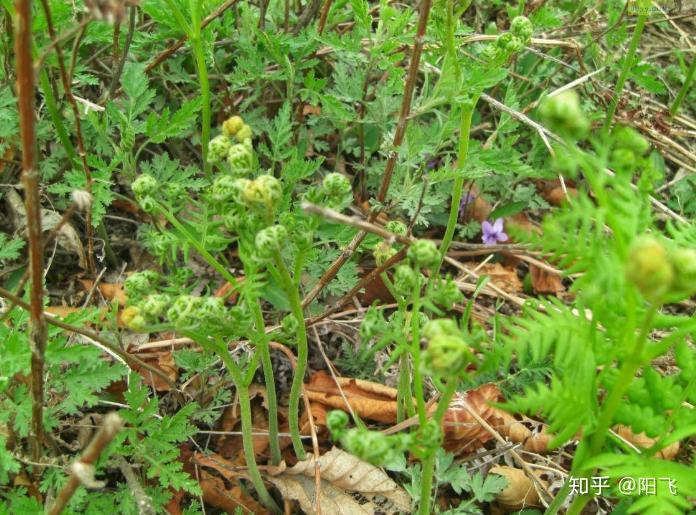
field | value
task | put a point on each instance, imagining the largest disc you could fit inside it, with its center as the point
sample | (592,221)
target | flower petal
(498,225)
(501,236)
(487,228)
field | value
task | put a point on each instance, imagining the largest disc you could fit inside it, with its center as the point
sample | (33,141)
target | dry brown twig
(30,179)
(82,470)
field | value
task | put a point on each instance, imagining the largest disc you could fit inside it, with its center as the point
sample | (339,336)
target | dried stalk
(67,88)
(30,179)
(393,155)
(110,427)
(323,16)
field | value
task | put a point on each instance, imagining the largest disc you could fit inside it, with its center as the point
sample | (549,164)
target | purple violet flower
(493,232)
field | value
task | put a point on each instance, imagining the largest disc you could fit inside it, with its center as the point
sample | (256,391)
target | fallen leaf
(62,311)
(462,433)
(503,277)
(520,492)
(219,481)
(67,237)
(163,361)
(110,291)
(643,441)
(544,281)
(372,401)
(340,473)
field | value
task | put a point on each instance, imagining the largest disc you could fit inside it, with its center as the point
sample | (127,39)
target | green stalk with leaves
(192,30)
(643,6)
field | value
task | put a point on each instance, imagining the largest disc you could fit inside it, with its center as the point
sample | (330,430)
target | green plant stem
(56,118)
(209,258)
(247,429)
(684,89)
(197,47)
(271,397)
(302,352)
(626,68)
(429,461)
(416,352)
(626,375)
(462,154)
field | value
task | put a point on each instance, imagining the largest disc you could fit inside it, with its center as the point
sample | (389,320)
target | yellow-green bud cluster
(447,353)
(373,324)
(406,279)
(383,252)
(218,147)
(270,240)
(659,272)
(509,43)
(336,185)
(371,446)
(145,188)
(233,145)
(562,114)
(191,311)
(140,284)
(145,185)
(154,306)
(264,191)
(133,318)
(396,227)
(423,253)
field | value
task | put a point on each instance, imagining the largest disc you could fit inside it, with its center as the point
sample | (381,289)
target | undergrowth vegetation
(347,256)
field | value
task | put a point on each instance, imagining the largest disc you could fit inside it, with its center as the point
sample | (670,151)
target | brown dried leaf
(165,362)
(462,433)
(110,291)
(544,281)
(215,490)
(520,492)
(372,401)
(503,277)
(643,441)
(340,472)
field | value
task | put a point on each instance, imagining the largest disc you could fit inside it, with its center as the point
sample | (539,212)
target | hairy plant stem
(293,294)
(625,69)
(684,89)
(627,373)
(462,154)
(247,429)
(416,352)
(271,397)
(192,31)
(429,461)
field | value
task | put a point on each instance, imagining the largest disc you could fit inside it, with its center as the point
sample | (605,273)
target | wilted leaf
(503,277)
(643,441)
(67,238)
(520,492)
(544,281)
(340,473)
(462,432)
(163,361)
(108,290)
(372,401)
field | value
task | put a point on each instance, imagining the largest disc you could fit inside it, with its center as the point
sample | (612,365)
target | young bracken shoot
(352,256)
